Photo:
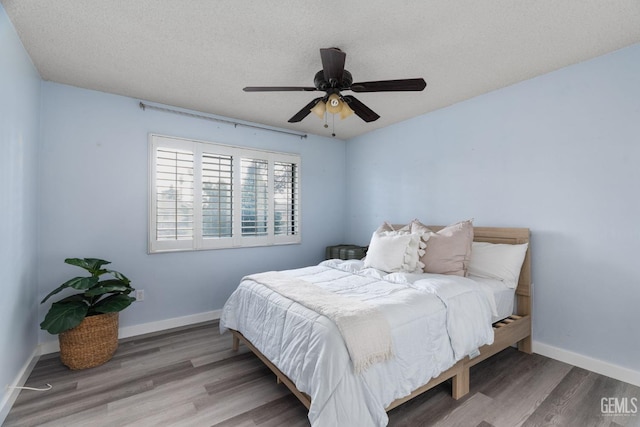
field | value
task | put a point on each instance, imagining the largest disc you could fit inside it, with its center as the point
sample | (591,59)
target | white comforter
(435,320)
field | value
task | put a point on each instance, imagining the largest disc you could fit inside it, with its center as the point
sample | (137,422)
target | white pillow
(395,251)
(497,261)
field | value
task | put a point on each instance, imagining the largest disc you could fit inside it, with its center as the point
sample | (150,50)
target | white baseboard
(162,325)
(146,328)
(10,392)
(595,365)
(599,366)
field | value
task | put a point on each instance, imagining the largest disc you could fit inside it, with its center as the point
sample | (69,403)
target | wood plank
(504,337)
(237,390)
(518,395)
(470,413)
(577,401)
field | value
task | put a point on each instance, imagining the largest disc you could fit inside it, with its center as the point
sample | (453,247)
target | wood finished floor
(190,377)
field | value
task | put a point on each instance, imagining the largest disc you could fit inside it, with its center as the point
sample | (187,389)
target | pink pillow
(406,229)
(448,251)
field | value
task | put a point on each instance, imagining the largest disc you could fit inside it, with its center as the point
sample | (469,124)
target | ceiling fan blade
(389,85)
(361,110)
(333,64)
(304,112)
(278,88)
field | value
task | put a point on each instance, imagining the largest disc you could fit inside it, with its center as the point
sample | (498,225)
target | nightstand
(345,252)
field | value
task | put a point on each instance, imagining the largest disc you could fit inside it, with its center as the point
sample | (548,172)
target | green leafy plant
(96,296)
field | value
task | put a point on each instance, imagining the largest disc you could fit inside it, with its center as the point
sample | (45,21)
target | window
(255,215)
(207,196)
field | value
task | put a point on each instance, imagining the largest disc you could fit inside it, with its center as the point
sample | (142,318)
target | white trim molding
(11,391)
(205,195)
(589,363)
(146,328)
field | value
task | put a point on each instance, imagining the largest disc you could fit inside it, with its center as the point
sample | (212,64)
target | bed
(307,353)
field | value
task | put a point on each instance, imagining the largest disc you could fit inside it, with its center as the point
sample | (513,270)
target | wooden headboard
(512,236)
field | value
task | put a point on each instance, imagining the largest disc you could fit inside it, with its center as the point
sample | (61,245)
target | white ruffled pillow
(395,251)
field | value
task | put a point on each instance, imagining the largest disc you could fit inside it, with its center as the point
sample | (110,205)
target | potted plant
(87,322)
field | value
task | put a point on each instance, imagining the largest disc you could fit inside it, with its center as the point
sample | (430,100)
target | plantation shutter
(217,196)
(173,197)
(285,188)
(210,196)
(254,197)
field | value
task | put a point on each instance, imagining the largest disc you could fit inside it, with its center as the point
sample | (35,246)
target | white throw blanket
(365,330)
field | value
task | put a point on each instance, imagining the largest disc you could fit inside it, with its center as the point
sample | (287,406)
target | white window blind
(285,200)
(207,196)
(255,215)
(174,192)
(217,196)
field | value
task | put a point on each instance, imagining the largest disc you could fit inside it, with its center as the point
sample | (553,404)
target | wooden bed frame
(516,329)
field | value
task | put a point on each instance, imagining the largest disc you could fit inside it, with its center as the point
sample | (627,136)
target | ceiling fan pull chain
(333,125)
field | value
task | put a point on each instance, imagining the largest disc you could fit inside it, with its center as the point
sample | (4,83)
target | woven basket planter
(91,343)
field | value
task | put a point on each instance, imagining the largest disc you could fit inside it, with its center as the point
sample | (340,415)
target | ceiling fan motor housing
(320,82)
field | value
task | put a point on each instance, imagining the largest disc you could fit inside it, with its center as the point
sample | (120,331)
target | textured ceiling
(200,54)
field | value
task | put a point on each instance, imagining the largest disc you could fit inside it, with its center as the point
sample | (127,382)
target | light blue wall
(19,132)
(93,194)
(559,154)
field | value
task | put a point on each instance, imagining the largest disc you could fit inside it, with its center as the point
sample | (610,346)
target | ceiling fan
(333,79)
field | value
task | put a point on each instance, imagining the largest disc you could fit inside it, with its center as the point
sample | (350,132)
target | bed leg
(460,384)
(524,345)
(235,344)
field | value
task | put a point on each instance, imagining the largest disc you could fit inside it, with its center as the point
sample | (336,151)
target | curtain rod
(144,106)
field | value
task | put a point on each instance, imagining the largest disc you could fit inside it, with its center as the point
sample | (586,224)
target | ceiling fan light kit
(333,79)
(319,109)
(334,105)
(346,111)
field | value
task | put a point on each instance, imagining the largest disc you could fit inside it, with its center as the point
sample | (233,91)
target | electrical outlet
(139,295)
